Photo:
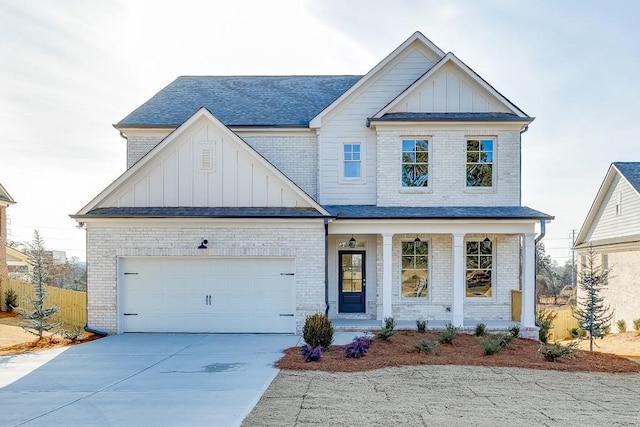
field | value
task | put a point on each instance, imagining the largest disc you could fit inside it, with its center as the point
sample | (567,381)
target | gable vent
(206,158)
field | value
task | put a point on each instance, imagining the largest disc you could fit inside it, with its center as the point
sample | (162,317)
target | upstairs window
(479,163)
(352,160)
(415,163)
(415,269)
(619,203)
(479,268)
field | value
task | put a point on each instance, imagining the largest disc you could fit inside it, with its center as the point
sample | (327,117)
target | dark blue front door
(352,281)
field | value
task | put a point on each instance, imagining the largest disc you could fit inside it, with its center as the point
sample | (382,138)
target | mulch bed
(465,350)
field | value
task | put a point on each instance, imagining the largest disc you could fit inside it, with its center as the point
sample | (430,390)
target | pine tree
(37,319)
(593,315)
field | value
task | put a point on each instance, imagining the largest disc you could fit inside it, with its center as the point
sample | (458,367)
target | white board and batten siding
(348,121)
(206,295)
(204,166)
(449,90)
(619,213)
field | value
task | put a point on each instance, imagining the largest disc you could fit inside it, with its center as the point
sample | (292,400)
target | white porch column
(457,318)
(528,319)
(387,285)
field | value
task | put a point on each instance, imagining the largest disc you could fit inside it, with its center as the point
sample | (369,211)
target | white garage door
(206,294)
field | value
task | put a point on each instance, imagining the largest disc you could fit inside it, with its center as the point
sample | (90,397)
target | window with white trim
(352,161)
(415,163)
(415,269)
(619,203)
(479,268)
(480,162)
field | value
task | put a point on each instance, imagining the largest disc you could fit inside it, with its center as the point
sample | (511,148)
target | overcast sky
(69,69)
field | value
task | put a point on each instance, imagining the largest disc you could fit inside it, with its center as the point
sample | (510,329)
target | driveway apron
(141,379)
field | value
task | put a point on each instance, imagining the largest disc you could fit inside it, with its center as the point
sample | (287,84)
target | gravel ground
(449,396)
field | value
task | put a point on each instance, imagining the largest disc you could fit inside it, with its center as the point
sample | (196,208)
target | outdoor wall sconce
(417,241)
(352,242)
(203,244)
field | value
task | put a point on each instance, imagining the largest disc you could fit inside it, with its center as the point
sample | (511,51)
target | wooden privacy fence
(72,304)
(562,324)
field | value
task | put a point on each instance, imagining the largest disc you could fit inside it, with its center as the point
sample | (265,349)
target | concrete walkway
(449,396)
(141,380)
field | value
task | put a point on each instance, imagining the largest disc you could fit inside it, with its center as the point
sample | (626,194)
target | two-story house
(250,202)
(610,240)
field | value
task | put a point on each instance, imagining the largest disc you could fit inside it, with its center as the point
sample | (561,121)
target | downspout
(94,331)
(543,230)
(326,266)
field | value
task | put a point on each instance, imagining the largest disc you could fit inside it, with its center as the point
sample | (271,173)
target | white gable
(202,164)
(449,90)
(450,87)
(615,212)
(388,78)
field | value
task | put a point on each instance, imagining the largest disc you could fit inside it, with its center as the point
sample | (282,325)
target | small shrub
(384,334)
(553,352)
(389,323)
(426,346)
(10,299)
(358,347)
(514,331)
(421,325)
(389,329)
(311,354)
(636,326)
(492,344)
(544,320)
(481,329)
(318,330)
(622,326)
(72,334)
(447,336)
(578,333)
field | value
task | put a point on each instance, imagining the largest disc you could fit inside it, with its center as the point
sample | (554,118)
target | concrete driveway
(141,379)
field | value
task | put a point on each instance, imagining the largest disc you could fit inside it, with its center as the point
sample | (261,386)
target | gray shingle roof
(435,212)
(5,196)
(204,212)
(467,117)
(337,211)
(631,171)
(241,100)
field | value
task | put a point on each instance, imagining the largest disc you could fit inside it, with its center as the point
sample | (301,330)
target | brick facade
(447,169)
(106,243)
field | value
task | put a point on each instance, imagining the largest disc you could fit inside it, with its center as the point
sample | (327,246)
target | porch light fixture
(203,244)
(417,241)
(352,242)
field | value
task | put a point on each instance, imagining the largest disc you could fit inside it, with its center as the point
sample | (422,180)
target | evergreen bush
(480,330)
(426,346)
(447,336)
(318,330)
(10,299)
(421,325)
(622,326)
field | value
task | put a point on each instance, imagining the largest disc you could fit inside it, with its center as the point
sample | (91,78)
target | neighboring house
(612,231)
(252,202)
(18,264)
(5,201)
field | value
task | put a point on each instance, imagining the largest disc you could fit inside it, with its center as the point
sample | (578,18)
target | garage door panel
(207,294)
